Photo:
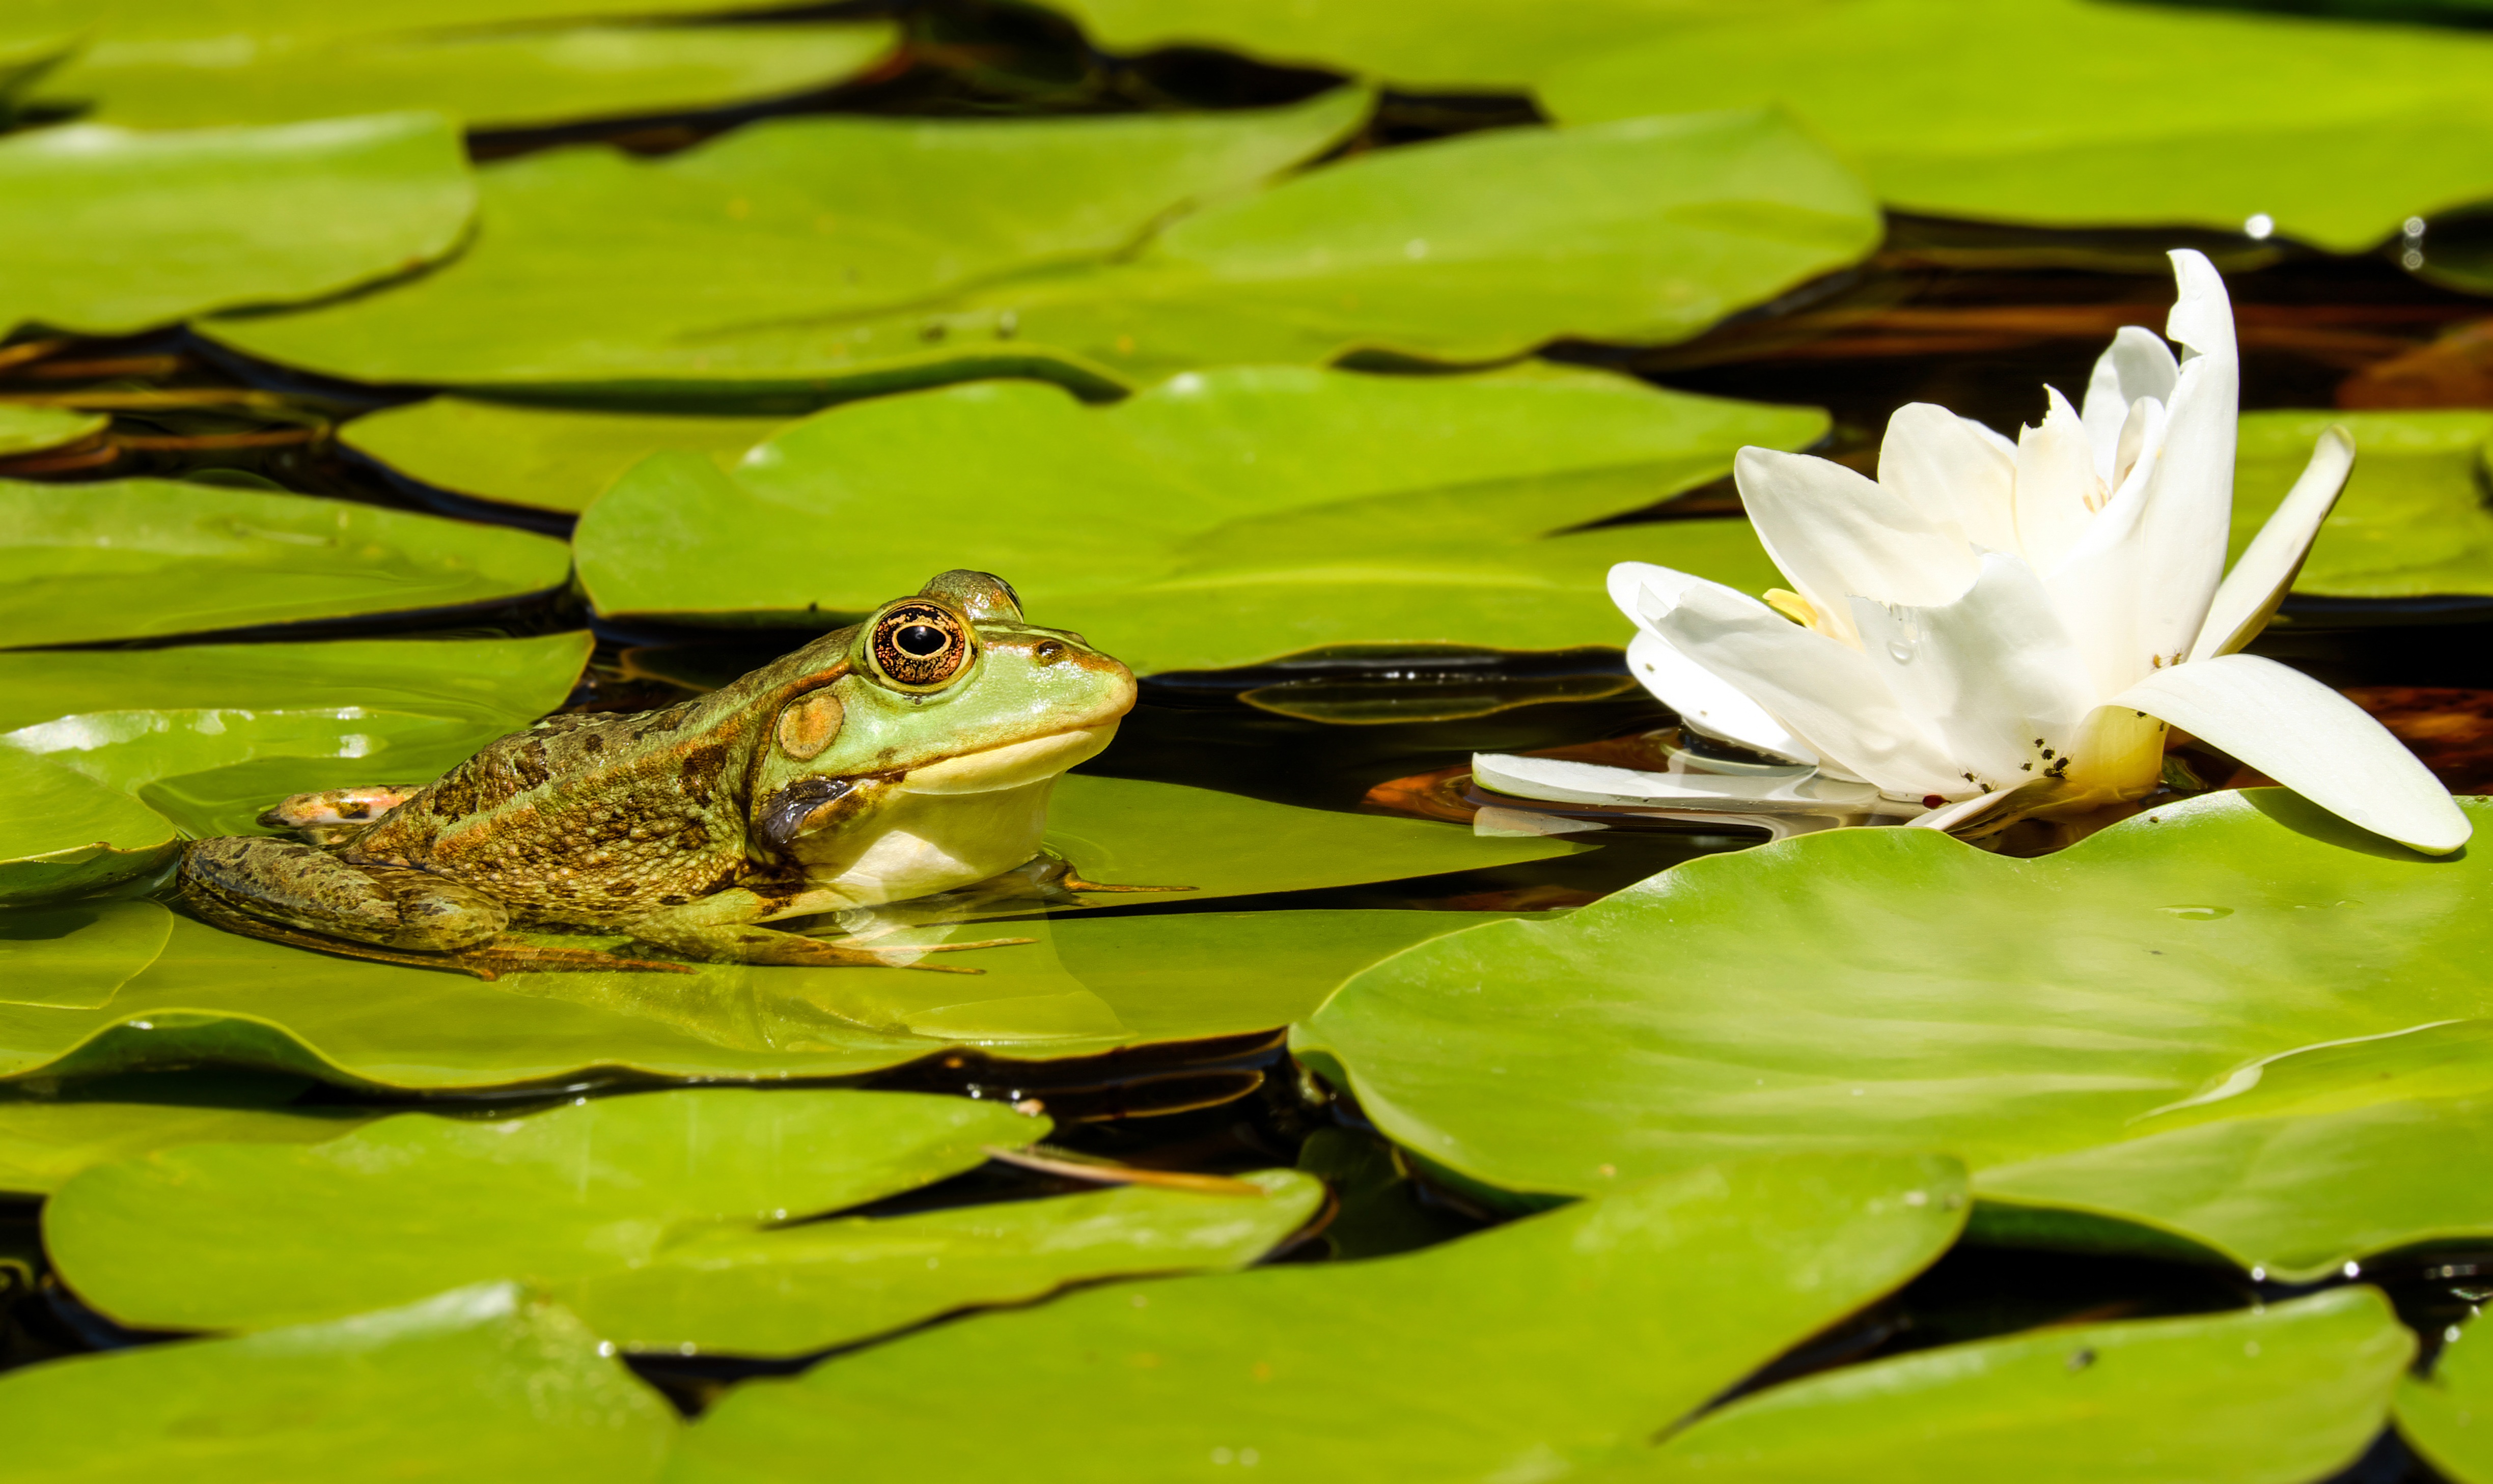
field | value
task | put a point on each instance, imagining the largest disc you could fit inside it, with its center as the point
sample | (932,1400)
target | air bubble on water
(2258,226)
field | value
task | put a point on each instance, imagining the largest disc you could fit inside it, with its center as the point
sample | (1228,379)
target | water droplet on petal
(1900,651)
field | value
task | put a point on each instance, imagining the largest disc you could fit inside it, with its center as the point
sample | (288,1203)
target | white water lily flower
(1994,629)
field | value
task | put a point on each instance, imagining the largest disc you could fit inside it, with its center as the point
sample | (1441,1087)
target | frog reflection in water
(909,754)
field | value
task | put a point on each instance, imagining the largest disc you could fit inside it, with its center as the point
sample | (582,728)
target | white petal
(1835,533)
(2189,506)
(1993,676)
(2309,738)
(2267,568)
(1825,692)
(1562,781)
(2137,363)
(1967,812)
(1954,472)
(2057,491)
(1707,703)
(2096,587)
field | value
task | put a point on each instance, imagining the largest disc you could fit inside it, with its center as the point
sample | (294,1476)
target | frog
(903,757)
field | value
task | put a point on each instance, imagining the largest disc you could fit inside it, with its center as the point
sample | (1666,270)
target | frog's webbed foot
(334,815)
(512,956)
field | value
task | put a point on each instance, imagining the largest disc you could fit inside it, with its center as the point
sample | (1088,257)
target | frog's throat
(1010,766)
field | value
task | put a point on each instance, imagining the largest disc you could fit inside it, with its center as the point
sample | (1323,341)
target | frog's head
(951,691)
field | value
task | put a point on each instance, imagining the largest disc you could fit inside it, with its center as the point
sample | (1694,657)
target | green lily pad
(1469,251)
(2412,521)
(1082,988)
(490,78)
(32,429)
(2275,1395)
(2447,1415)
(777,226)
(63,834)
(45,1141)
(2328,132)
(2296,1197)
(792,1289)
(1228,517)
(417,1203)
(1862,987)
(104,232)
(1468,46)
(210,735)
(1501,1356)
(545,458)
(139,557)
(483,1383)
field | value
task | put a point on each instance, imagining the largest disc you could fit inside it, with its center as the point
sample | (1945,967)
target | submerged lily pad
(2412,521)
(2330,132)
(216,999)
(1228,517)
(1466,46)
(104,231)
(417,1203)
(139,557)
(483,1383)
(545,458)
(31,430)
(593,268)
(1862,987)
(258,73)
(2275,1395)
(2447,1415)
(1524,1351)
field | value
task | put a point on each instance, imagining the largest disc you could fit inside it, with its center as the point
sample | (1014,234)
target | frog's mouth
(1012,765)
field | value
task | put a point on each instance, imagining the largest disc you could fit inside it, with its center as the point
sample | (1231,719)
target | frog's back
(585,820)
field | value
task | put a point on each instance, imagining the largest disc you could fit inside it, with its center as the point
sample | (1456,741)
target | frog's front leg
(306,896)
(726,928)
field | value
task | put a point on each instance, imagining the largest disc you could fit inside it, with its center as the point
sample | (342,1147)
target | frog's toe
(511,956)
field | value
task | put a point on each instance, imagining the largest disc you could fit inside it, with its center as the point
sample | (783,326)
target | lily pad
(209,735)
(263,72)
(792,1289)
(545,458)
(212,1235)
(63,834)
(417,1203)
(2447,1415)
(2275,1395)
(593,268)
(32,429)
(45,1141)
(483,1383)
(1228,517)
(2412,521)
(1468,46)
(1862,987)
(1501,1356)
(2328,132)
(139,557)
(104,231)
(1084,987)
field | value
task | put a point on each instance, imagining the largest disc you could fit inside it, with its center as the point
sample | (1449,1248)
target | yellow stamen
(1792,606)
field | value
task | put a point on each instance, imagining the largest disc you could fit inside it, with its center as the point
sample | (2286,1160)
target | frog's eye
(919,645)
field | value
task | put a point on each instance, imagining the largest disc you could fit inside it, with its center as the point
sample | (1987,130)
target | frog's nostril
(1048,652)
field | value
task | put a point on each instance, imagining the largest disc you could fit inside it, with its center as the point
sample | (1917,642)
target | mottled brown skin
(828,779)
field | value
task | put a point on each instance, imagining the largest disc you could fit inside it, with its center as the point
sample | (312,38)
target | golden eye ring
(918,645)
